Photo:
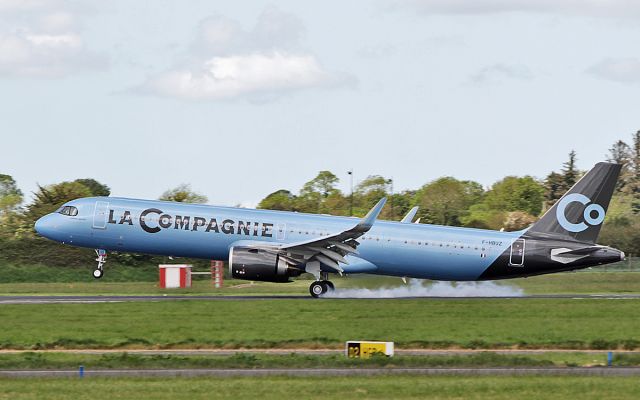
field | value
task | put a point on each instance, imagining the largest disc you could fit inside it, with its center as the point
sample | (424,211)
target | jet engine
(255,264)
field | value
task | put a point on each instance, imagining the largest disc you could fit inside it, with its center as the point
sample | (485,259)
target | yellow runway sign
(363,349)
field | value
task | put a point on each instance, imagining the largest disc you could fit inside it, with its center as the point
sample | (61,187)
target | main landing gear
(322,286)
(101,259)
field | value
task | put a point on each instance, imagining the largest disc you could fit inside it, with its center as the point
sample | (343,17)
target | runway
(45,299)
(557,371)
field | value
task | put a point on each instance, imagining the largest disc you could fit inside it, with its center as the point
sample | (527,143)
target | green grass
(584,282)
(283,388)
(58,360)
(427,323)
(40,360)
(11,273)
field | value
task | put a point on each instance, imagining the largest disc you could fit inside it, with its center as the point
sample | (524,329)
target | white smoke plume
(416,288)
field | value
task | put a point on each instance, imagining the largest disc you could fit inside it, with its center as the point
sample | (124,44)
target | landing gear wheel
(101,259)
(330,286)
(318,288)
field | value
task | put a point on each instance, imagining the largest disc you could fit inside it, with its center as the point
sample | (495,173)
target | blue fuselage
(208,232)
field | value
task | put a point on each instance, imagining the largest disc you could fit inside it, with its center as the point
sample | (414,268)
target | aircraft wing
(330,250)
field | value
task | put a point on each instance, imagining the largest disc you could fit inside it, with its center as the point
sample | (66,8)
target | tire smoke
(417,288)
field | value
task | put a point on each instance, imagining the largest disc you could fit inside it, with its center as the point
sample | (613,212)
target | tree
(96,188)
(336,204)
(481,216)
(183,194)
(402,203)
(516,194)
(518,220)
(620,153)
(554,188)
(635,160)
(569,172)
(10,199)
(368,192)
(635,173)
(446,200)
(314,193)
(557,184)
(10,195)
(282,200)
(319,195)
(512,203)
(324,183)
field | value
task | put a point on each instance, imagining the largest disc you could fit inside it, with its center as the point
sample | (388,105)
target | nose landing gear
(101,259)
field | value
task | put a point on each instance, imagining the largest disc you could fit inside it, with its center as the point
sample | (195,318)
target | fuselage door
(281,230)
(100,215)
(516,258)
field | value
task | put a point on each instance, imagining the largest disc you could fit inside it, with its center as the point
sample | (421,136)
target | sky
(240,99)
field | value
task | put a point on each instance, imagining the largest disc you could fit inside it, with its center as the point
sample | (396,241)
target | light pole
(350,172)
(390,183)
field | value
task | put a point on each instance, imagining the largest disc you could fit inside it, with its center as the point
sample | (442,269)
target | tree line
(512,203)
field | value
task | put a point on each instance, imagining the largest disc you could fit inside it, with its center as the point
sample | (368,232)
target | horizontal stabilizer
(583,251)
(566,256)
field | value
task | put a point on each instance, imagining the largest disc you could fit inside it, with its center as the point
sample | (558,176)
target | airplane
(275,246)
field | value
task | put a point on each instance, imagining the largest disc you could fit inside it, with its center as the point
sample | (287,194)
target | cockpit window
(69,210)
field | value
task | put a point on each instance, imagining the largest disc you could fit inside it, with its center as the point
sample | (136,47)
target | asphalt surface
(562,371)
(126,298)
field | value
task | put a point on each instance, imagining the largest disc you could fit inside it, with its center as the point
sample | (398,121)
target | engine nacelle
(254,264)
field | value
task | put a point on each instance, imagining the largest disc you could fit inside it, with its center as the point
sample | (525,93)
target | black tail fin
(580,212)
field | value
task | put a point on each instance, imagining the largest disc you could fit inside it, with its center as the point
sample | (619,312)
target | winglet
(367,222)
(410,215)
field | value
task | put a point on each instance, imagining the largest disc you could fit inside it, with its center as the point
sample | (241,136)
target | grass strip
(284,388)
(31,360)
(410,323)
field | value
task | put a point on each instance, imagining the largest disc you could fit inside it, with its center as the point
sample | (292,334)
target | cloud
(500,72)
(42,39)
(45,55)
(260,64)
(241,75)
(274,29)
(595,8)
(25,5)
(624,70)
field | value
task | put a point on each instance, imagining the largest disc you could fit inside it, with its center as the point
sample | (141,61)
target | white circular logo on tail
(588,211)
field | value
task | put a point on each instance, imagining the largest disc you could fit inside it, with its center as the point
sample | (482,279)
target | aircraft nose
(622,256)
(44,226)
